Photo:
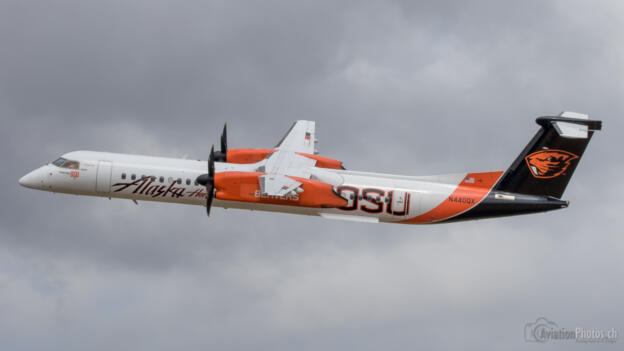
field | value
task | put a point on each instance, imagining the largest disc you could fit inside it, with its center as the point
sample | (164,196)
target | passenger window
(123,176)
(133,177)
(161,179)
(179,181)
(188,181)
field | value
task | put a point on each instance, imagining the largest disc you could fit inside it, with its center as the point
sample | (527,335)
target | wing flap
(277,185)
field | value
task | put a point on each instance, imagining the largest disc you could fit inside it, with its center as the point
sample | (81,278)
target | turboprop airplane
(293,178)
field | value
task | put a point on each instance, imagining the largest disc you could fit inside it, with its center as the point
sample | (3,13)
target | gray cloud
(396,86)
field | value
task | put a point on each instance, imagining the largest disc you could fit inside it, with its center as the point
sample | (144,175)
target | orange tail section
(467,195)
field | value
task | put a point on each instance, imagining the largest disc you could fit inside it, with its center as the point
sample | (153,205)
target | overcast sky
(395,86)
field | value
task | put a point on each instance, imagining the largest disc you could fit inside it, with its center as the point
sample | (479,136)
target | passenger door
(103,178)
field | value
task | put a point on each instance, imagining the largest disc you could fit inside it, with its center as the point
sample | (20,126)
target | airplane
(293,178)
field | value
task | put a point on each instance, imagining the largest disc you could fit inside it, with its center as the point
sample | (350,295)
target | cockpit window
(71,164)
(64,163)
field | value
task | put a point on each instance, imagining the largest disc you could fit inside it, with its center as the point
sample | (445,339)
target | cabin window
(188,181)
(179,181)
(123,176)
(133,177)
(64,163)
(161,179)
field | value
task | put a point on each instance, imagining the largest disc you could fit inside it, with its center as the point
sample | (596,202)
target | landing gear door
(103,178)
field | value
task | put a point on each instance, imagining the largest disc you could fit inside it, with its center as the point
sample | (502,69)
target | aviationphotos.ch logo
(544,330)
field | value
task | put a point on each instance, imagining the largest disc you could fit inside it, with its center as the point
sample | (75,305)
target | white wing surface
(285,162)
(300,138)
(280,165)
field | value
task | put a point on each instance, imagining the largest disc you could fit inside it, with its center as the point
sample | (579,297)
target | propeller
(221,156)
(207,179)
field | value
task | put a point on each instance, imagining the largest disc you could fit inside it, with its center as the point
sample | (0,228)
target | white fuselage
(371,196)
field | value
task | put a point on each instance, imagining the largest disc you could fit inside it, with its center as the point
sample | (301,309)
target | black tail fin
(546,164)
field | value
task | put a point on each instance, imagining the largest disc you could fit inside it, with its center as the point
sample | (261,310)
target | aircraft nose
(31,180)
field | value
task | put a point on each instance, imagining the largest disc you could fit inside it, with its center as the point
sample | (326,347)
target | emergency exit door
(399,203)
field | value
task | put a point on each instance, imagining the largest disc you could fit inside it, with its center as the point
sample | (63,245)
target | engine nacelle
(244,156)
(244,186)
(324,162)
(247,155)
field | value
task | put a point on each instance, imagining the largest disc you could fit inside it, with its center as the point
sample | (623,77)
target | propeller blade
(210,190)
(207,180)
(224,139)
(221,155)
(211,160)
(210,180)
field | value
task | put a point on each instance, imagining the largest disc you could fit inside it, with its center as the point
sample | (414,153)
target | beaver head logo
(549,163)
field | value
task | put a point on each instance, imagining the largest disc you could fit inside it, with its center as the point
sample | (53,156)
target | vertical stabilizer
(547,163)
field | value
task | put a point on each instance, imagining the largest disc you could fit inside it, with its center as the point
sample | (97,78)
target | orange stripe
(467,195)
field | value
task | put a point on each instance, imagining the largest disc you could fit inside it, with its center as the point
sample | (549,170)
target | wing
(280,165)
(277,185)
(286,162)
(300,138)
